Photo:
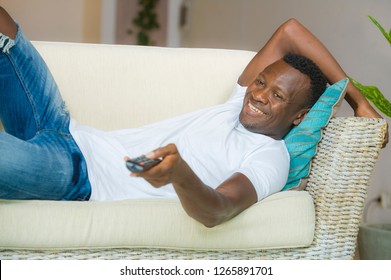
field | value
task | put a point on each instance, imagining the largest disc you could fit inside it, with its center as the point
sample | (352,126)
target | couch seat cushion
(282,220)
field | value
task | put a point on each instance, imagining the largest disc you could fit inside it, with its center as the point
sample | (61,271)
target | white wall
(46,19)
(173,31)
(341,24)
(57,20)
(108,23)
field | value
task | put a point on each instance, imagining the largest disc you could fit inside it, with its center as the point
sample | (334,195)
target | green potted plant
(372,93)
(145,21)
(374,239)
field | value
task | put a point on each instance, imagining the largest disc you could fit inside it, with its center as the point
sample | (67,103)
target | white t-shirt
(212,142)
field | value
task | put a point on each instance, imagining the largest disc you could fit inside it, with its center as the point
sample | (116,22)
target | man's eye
(260,83)
(277,95)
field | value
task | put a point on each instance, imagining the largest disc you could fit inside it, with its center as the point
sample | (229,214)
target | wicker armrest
(338,182)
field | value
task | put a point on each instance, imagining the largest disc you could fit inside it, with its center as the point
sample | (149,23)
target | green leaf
(374,95)
(142,39)
(383,31)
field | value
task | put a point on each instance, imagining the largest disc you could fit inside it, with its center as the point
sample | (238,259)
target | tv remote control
(141,163)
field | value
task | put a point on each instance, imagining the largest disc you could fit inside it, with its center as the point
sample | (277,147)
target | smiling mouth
(255,109)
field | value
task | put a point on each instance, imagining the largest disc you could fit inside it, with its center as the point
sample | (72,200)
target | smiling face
(274,101)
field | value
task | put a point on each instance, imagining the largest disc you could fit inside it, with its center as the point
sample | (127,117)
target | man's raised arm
(293,37)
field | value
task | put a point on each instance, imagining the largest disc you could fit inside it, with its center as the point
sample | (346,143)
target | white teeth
(252,107)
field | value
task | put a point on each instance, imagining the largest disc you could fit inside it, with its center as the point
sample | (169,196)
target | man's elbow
(215,219)
(292,26)
(292,23)
(212,223)
(208,219)
(209,222)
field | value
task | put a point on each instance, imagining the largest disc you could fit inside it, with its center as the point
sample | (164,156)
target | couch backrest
(116,86)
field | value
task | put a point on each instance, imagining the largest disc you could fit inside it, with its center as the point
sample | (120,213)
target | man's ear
(300,116)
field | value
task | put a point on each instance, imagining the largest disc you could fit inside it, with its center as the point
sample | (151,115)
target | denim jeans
(39,158)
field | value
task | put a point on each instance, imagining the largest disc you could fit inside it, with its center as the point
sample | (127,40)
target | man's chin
(248,126)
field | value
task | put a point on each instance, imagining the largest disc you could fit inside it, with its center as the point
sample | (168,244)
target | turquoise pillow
(303,139)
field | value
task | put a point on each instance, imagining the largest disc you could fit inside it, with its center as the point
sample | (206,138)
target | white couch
(113,87)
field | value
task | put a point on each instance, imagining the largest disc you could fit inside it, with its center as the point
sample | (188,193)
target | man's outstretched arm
(209,206)
(293,37)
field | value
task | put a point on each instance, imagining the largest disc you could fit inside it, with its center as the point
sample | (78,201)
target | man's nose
(260,95)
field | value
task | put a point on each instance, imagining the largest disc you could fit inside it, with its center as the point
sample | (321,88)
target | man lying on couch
(245,159)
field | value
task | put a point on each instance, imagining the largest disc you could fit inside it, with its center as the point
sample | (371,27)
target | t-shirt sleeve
(238,92)
(267,169)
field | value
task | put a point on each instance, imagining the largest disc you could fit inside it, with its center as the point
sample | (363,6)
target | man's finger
(162,152)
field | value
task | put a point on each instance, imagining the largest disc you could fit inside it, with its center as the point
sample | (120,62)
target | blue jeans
(39,158)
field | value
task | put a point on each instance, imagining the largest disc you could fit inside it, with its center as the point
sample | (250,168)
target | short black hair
(309,68)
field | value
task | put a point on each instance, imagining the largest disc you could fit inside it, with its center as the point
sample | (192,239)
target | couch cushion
(282,220)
